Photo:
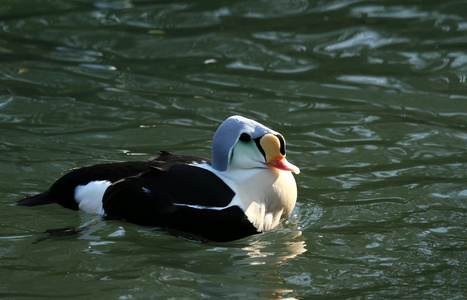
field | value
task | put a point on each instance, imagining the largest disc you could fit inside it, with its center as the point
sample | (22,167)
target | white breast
(266,195)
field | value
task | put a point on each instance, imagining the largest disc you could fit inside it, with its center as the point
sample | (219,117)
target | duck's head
(241,143)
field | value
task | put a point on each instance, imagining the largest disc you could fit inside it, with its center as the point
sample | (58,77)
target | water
(370,96)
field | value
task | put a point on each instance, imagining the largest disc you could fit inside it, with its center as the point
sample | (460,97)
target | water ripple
(369,96)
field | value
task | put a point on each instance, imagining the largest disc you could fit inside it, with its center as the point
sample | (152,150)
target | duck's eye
(245,137)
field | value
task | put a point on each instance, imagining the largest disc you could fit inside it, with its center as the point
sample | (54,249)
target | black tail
(34,200)
(63,190)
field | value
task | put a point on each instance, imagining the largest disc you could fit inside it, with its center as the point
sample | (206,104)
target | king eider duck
(247,188)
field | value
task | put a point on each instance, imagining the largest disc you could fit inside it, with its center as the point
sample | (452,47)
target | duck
(246,188)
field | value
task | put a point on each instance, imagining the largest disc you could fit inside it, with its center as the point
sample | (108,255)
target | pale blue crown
(227,135)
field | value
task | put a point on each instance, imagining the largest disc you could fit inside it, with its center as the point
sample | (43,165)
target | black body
(156,193)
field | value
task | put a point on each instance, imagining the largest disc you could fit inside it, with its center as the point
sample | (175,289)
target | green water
(371,97)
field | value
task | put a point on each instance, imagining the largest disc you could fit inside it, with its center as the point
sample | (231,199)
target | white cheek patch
(89,196)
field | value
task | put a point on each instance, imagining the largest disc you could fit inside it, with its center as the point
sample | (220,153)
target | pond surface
(371,97)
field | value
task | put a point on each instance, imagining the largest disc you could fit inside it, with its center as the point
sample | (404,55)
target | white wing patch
(204,207)
(89,196)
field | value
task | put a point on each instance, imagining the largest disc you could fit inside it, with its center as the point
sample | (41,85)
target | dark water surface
(370,95)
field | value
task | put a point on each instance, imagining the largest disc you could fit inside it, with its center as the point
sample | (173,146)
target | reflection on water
(283,248)
(176,262)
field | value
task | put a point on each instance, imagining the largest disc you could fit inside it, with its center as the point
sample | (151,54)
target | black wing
(182,197)
(63,190)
